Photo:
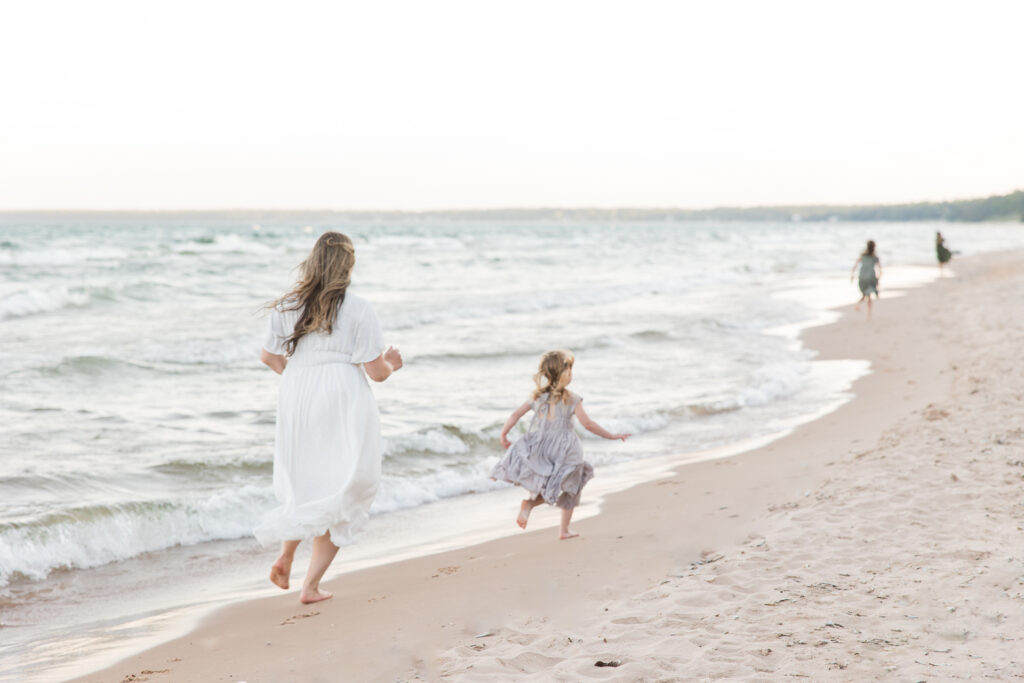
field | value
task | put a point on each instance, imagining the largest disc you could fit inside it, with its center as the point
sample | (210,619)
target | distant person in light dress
(870,274)
(548,460)
(941,252)
(324,341)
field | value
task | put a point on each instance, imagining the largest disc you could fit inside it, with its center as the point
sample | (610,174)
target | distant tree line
(1009,207)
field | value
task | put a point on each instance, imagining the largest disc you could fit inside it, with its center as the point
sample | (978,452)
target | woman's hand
(273,361)
(620,437)
(394,358)
(381,367)
(505,443)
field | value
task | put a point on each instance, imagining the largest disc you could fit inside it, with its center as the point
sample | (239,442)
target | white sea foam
(31,300)
(773,382)
(398,493)
(426,242)
(639,424)
(60,256)
(209,351)
(97,537)
(535,302)
(224,244)
(430,441)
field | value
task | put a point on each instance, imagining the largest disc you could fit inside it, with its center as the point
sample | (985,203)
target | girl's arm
(854,269)
(511,422)
(593,427)
(384,365)
(273,361)
(878,265)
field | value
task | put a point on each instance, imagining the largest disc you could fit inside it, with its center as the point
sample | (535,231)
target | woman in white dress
(324,342)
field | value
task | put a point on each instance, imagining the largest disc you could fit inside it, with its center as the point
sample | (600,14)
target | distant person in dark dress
(870,274)
(941,251)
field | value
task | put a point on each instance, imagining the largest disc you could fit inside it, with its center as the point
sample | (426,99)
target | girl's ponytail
(553,376)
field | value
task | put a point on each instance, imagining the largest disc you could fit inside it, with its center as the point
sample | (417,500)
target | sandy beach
(881,541)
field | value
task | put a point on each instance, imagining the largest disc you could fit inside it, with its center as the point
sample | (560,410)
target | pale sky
(132,104)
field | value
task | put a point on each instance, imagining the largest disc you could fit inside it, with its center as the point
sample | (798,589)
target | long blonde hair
(323,279)
(553,376)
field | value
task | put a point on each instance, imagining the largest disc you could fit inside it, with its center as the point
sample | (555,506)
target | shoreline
(429,603)
(151,615)
(176,620)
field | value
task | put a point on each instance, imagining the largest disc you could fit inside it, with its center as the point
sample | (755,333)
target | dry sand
(882,541)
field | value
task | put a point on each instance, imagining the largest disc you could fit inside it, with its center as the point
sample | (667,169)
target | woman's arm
(384,365)
(511,422)
(595,428)
(273,361)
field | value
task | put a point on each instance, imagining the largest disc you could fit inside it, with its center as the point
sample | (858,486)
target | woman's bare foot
(280,571)
(524,513)
(309,597)
(569,533)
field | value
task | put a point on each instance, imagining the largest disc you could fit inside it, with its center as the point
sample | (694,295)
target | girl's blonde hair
(553,376)
(323,279)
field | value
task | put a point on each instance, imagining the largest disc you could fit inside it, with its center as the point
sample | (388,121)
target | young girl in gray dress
(548,461)
(870,274)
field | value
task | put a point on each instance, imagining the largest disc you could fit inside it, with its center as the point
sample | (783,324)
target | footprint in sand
(293,619)
(143,675)
(933,414)
(447,571)
(630,620)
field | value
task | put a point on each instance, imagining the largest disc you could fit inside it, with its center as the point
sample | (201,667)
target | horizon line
(494,209)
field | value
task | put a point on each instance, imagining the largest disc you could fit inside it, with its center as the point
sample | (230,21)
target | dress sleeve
(369,341)
(274,341)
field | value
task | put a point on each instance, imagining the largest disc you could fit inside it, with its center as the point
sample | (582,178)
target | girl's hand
(511,422)
(393,357)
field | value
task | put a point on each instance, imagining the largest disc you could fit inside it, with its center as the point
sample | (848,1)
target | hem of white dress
(343,532)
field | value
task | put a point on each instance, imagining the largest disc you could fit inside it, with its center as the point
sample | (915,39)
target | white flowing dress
(327,450)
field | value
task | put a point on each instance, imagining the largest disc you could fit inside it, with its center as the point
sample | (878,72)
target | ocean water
(136,419)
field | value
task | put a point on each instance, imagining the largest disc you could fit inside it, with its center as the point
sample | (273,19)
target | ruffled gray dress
(548,460)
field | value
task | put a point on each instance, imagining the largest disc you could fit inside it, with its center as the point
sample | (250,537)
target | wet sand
(881,540)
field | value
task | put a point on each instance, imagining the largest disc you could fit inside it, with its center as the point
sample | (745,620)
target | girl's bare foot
(281,571)
(309,597)
(524,514)
(568,533)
